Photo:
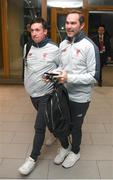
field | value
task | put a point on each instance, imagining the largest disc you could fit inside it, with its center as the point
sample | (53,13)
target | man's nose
(69,26)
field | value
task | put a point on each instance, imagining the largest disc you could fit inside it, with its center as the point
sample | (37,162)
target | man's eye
(35,30)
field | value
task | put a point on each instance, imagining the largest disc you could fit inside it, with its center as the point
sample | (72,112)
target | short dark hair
(81,15)
(101,25)
(40,20)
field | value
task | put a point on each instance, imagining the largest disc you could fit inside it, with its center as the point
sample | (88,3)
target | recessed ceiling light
(65,4)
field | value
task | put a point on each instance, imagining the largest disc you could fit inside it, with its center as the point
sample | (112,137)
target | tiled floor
(16,132)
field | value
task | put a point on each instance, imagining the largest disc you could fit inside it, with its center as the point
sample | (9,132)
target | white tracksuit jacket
(41,58)
(80,59)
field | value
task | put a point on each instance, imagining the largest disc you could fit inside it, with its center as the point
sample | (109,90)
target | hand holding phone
(50,76)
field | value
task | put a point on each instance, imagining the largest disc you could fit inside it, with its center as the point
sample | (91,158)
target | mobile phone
(50,76)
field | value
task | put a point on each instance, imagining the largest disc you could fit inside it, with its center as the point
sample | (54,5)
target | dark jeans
(40,125)
(78,112)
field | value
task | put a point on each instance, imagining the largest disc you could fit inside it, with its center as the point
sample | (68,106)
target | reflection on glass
(102,17)
(61,27)
(18,18)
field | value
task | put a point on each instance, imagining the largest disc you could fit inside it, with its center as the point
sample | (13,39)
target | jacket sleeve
(57,57)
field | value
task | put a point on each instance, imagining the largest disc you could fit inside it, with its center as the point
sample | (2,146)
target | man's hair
(40,20)
(81,15)
(101,25)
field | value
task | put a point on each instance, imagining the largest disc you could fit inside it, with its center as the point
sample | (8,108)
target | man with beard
(79,70)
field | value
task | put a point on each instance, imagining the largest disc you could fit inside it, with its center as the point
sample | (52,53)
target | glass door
(14,17)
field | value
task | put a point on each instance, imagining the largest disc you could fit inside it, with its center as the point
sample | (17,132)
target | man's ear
(82,26)
(45,31)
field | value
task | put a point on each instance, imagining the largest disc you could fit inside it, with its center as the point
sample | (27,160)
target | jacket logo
(77,51)
(79,115)
(45,55)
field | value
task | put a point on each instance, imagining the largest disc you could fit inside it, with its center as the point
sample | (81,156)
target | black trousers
(103,59)
(78,112)
(40,125)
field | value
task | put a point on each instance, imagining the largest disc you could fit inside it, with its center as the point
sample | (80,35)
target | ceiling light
(65,4)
